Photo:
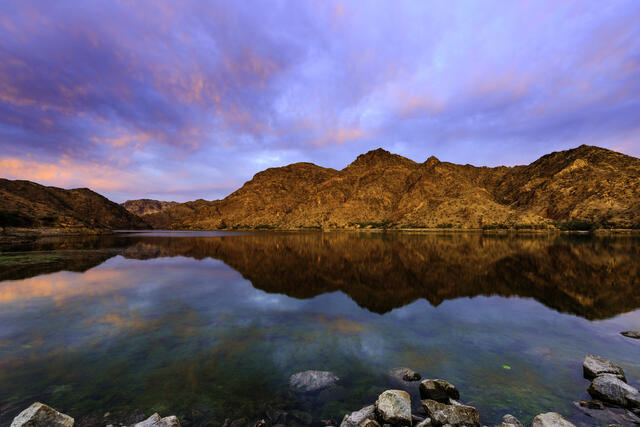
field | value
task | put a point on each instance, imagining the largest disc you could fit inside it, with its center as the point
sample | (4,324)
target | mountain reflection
(593,277)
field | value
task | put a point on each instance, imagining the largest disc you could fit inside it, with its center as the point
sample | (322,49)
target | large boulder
(510,421)
(404,374)
(156,421)
(438,390)
(594,366)
(41,415)
(607,415)
(394,407)
(310,381)
(631,334)
(355,418)
(612,389)
(455,415)
(551,419)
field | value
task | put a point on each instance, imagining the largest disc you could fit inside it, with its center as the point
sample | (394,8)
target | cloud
(140,90)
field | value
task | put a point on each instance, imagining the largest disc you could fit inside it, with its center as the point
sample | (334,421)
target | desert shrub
(575,225)
(495,226)
(445,225)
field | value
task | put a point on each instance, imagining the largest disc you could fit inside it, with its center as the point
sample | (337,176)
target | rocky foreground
(614,403)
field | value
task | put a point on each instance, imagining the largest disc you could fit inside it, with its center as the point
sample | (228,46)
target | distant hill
(25,204)
(587,186)
(147,206)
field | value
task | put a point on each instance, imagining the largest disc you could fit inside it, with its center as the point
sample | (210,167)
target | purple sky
(179,100)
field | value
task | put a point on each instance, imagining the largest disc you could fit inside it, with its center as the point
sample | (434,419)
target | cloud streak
(109,94)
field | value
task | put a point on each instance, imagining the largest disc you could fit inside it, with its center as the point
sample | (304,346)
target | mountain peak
(379,156)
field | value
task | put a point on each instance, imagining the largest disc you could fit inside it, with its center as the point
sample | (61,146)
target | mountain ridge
(585,184)
(26,204)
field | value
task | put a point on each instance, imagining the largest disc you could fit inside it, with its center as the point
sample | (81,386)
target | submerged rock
(156,421)
(438,390)
(631,334)
(612,389)
(310,381)
(41,415)
(510,421)
(355,418)
(394,407)
(405,374)
(370,423)
(594,366)
(606,414)
(455,415)
(551,419)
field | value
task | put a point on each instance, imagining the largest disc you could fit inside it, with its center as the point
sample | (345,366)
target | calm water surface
(210,326)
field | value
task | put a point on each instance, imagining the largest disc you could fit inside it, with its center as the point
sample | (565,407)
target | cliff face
(147,206)
(583,184)
(30,205)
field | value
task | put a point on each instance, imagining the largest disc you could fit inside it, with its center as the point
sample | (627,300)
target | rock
(310,381)
(456,415)
(240,422)
(608,415)
(405,374)
(355,418)
(612,389)
(301,417)
(369,423)
(594,366)
(590,404)
(155,421)
(438,390)
(276,416)
(41,415)
(424,423)
(551,419)
(394,407)
(510,421)
(631,334)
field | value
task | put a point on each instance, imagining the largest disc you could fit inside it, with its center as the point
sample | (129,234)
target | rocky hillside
(586,185)
(147,206)
(25,204)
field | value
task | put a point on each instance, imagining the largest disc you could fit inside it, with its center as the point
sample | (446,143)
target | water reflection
(595,278)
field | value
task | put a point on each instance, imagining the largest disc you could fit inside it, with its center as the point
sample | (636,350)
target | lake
(209,326)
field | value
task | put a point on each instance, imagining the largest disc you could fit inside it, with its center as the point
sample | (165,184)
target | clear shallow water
(210,326)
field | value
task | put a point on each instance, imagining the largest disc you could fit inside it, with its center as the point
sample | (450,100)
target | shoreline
(45,232)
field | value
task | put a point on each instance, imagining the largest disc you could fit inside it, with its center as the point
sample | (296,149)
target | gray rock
(551,419)
(608,415)
(369,423)
(438,390)
(355,418)
(424,423)
(631,334)
(301,417)
(156,421)
(41,415)
(510,421)
(455,415)
(612,389)
(394,407)
(405,374)
(310,381)
(594,366)
(240,422)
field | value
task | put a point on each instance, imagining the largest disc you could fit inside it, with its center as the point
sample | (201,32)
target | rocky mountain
(589,185)
(147,206)
(25,204)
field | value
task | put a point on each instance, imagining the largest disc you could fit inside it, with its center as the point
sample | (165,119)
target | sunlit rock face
(587,184)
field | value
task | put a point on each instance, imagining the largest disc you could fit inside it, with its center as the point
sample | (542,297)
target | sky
(184,100)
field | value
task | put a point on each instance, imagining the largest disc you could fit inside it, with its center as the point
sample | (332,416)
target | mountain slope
(583,184)
(146,206)
(29,205)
